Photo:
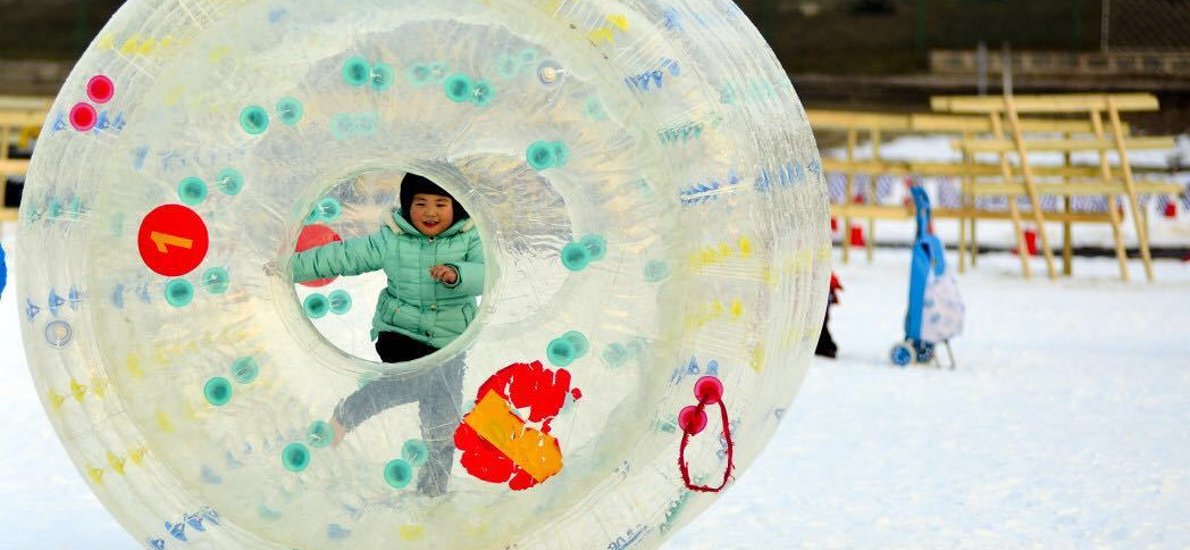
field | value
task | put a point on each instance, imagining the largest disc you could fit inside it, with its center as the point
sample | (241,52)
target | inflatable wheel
(653,218)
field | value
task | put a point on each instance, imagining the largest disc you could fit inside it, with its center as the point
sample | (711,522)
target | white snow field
(1065,425)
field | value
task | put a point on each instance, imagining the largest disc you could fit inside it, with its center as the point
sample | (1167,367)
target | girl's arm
(471,269)
(350,257)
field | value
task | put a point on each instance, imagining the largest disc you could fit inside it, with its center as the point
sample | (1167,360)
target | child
(433,257)
(826,344)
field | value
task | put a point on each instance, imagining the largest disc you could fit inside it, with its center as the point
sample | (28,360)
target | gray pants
(438,392)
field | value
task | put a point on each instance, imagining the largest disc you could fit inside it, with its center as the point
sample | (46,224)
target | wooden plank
(1055,103)
(1027,169)
(25,103)
(1013,209)
(9,214)
(972,213)
(1110,200)
(980,124)
(852,138)
(870,242)
(928,169)
(1075,189)
(848,120)
(14,166)
(1066,146)
(22,119)
(872,211)
(1142,231)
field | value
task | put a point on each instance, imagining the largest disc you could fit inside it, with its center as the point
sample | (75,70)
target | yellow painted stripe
(534,452)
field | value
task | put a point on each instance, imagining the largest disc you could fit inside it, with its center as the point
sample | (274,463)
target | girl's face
(432,214)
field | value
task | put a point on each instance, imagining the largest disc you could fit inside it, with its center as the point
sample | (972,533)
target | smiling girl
(433,257)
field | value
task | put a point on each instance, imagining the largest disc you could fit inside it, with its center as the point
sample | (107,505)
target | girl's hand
(444,274)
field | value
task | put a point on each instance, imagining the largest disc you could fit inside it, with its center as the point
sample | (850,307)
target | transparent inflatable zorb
(654,227)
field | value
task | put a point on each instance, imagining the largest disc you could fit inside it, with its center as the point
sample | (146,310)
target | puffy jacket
(413,303)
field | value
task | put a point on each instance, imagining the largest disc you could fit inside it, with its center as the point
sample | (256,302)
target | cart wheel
(901,355)
(925,352)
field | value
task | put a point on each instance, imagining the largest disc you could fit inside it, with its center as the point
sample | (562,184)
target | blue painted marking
(31,310)
(336,532)
(55,302)
(138,157)
(118,296)
(177,530)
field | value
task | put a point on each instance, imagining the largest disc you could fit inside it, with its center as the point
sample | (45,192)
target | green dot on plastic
(528,55)
(382,77)
(398,473)
(508,66)
(483,94)
(596,246)
(594,109)
(179,292)
(314,216)
(419,74)
(340,302)
(290,111)
(579,341)
(415,452)
(320,434)
(560,352)
(295,457)
(230,181)
(254,120)
(459,88)
(316,306)
(329,209)
(561,154)
(656,271)
(541,155)
(192,191)
(635,347)
(615,355)
(216,280)
(356,71)
(575,257)
(217,391)
(245,370)
(55,208)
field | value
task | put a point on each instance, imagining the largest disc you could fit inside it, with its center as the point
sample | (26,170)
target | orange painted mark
(529,449)
(163,240)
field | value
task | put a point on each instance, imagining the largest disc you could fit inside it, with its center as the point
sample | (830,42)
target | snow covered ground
(1065,425)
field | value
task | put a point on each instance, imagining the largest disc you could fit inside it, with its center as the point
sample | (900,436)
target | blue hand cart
(928,254)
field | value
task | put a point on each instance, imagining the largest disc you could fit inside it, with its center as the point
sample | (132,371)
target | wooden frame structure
(993,125)
(1008,140)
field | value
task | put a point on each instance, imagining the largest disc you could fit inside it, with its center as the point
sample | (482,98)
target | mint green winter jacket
(413,303)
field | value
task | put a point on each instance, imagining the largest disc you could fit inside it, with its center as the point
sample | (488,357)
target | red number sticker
(173,240)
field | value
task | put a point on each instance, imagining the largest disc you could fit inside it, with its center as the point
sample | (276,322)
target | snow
(1064,425)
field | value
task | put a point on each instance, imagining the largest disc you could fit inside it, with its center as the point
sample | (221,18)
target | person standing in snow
(826,344)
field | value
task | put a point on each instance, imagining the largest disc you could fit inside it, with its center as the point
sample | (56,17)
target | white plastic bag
(942,309)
